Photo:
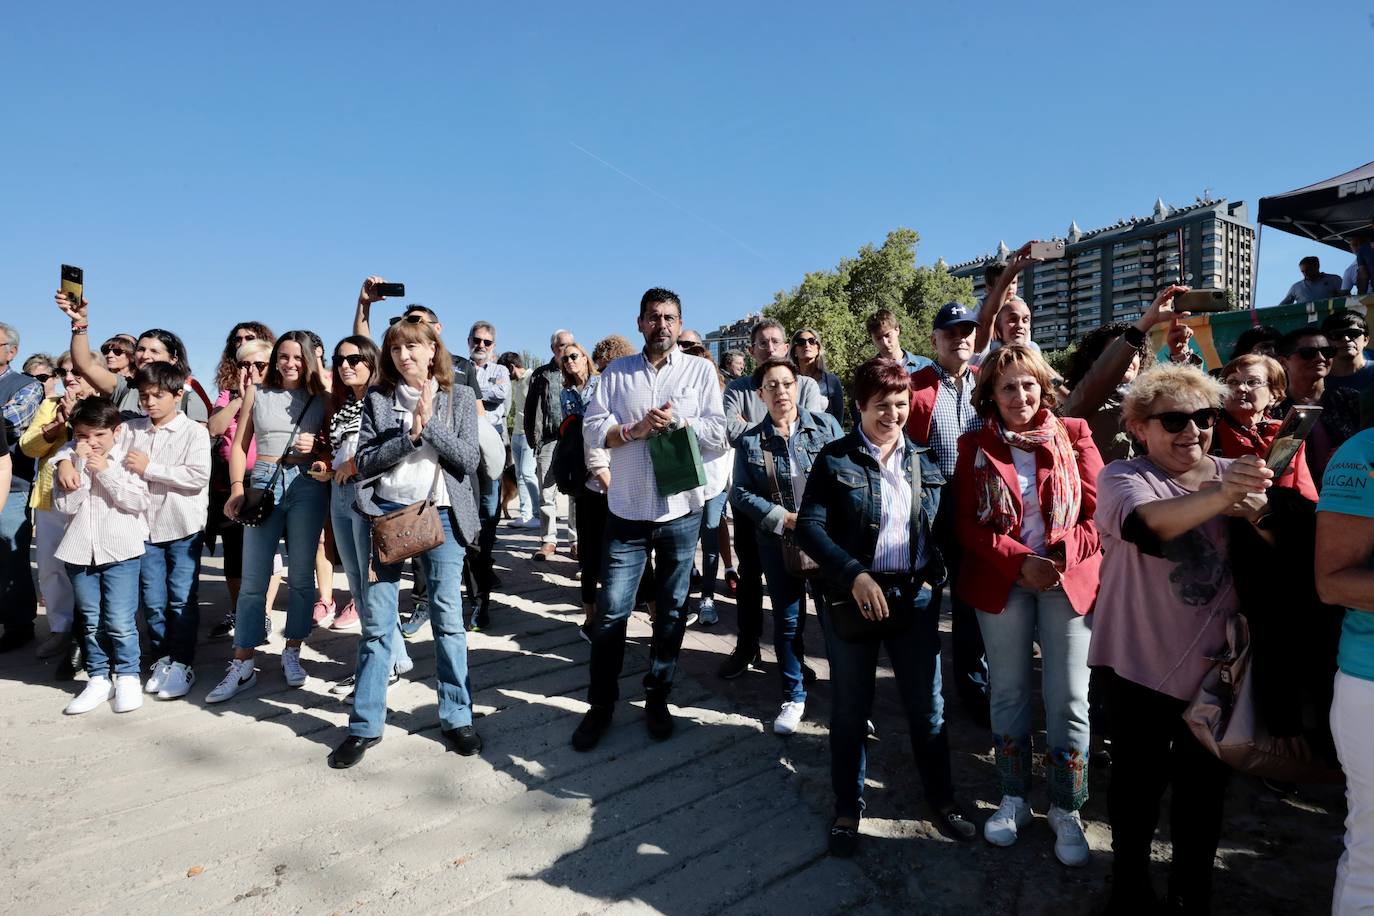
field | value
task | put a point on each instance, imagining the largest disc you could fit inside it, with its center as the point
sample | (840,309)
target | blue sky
(540,166)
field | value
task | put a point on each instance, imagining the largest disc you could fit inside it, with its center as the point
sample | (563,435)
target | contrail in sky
(668,200)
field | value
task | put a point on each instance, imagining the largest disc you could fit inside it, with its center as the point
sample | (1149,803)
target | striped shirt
(953,416)
(107,512)
(630,387)
(893,551)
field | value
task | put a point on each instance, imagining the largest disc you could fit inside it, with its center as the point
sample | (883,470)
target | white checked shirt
(893,552)
(629,388)
(953,416)
(495,382)
(177,476)
(107,523)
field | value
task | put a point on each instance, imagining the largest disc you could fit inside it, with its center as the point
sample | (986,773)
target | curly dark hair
(227,375)
(1091,347)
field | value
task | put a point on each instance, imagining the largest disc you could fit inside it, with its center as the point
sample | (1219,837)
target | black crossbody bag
(258,502)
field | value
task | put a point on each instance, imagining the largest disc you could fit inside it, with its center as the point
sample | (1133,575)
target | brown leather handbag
(411,530)
(794,559)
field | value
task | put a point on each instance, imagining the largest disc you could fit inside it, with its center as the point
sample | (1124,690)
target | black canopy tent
(1327,211)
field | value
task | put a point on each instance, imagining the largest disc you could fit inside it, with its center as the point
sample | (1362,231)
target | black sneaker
(737,663)
(351,751)
(224,628)
(657,719)
(843,841)
(16,637)
(953,823)
(591,728)
(465,740)
(808,674)
(481,616)
(72,661)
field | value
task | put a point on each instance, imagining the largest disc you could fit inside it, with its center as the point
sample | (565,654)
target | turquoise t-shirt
(1348,488)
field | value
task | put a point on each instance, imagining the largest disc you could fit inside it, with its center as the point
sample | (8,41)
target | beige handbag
(1222,716)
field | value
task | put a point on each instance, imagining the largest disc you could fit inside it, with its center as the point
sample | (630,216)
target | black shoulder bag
(258,502)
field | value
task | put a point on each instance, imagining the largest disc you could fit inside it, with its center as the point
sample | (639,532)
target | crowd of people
(1117,518)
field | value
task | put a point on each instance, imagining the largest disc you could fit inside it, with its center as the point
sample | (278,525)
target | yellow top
(35,446)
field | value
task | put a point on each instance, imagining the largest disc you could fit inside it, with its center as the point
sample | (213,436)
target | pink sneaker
(322,612)
(345,619)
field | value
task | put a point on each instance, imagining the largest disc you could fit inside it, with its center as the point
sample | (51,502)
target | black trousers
(749,594)
(968,656)
(1152,749)
(592,512)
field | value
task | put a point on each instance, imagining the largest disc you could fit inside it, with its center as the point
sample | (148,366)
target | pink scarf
(997,506)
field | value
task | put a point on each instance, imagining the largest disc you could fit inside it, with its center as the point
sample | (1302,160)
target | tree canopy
(837,302)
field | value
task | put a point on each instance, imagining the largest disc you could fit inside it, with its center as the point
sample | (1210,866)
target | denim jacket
(752,492)
(842,510)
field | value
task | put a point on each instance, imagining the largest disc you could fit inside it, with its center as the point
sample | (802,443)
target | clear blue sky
(541,167)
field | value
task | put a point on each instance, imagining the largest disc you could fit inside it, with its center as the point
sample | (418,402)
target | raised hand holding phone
(72,308)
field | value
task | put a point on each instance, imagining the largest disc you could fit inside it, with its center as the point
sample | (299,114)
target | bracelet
(1134,336)
(79,328)
(625,433)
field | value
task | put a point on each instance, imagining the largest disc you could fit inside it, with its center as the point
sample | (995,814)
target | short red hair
(879,377)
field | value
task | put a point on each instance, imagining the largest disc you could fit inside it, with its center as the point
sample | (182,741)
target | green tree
(837,302)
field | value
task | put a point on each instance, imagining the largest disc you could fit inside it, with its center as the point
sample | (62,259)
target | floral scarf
(997,505)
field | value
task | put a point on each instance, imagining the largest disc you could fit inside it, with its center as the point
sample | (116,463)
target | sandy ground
(231,807)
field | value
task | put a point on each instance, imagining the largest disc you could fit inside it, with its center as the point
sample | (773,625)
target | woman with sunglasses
(1166,598)
(355,368)
(1307,355)
(1025,492)
(40,368)
(809,354)
(118,353)
(283,418)
(580,381)
(44,436)
(418,441)
(154,345)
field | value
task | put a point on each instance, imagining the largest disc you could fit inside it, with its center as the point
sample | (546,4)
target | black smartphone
(1204,300)
(390,290)
(73,282)
(1297,423)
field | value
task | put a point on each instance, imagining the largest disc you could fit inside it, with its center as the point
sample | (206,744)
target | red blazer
(925,386)
(1230,440)
(992,562)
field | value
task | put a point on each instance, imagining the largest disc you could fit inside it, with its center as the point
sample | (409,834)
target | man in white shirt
(1314,284)
(649,394)
(494,380)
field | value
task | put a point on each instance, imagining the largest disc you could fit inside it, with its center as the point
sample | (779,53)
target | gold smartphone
(73,283)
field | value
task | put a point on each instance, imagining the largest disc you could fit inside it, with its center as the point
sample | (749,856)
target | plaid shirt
(953,416)
(20,409)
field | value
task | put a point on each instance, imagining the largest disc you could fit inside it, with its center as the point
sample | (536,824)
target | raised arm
(997,295)
(1093,390)
(83,360)
(363,313)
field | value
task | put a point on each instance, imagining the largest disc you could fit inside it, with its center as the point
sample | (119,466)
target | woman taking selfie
(860,521)
(772,462)
(417,442)
(1255,383)
(281,419)
(1166,598)
(1026,488)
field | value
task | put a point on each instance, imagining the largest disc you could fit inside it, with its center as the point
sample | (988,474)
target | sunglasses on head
(112,349)
(800,341)
(353,359)
(1327,352)
(1175,421)
(1346,334)
(412,318)
(252,364)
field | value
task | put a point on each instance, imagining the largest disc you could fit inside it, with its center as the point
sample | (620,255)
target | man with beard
(651,393)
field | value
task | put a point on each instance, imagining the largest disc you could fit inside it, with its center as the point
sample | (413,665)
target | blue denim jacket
(751,495)
(842,510)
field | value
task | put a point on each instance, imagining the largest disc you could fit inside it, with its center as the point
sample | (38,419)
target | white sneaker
(291,667)
(789,718)
(1070,843)
(98,690)
(1013,814)
(158,674)
(177,682)
(128,693)
(241,675)
(530,523)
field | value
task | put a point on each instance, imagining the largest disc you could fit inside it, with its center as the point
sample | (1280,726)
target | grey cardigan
(382,445)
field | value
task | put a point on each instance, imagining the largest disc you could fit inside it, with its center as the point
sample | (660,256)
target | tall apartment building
(733,336)
(1113,273)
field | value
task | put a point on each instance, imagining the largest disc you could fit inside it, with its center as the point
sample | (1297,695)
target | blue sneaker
(418,618)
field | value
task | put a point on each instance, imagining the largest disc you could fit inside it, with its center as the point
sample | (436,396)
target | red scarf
(997,507)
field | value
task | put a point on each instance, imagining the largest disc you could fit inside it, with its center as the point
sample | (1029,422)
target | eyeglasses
(252,364)
(480,341)
(570,357)
(353,359)
(1346,334)
(1247,383)
(1310,353)
(40,377)
(112,350)
(1175,421)
(779,385)
(805,342)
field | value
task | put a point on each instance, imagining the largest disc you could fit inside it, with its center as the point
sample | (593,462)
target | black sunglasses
(805,342)
(111,348)
(252,364)
(570,357)
(1313,352)
(1346,334)
(481,341)
(413,318)
(353,359)
(244,338)
(1175,421)
(40,377)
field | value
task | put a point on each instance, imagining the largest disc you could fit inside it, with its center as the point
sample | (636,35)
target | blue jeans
(353,537)
(167,577)
(915,658)
(18,598)
(106,607)
(1047,618)
(299,515)
(526,484)
(627,549)
(711,516)
(788,594)
(443,567)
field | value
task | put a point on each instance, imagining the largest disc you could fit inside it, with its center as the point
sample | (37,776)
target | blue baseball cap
(952,314)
